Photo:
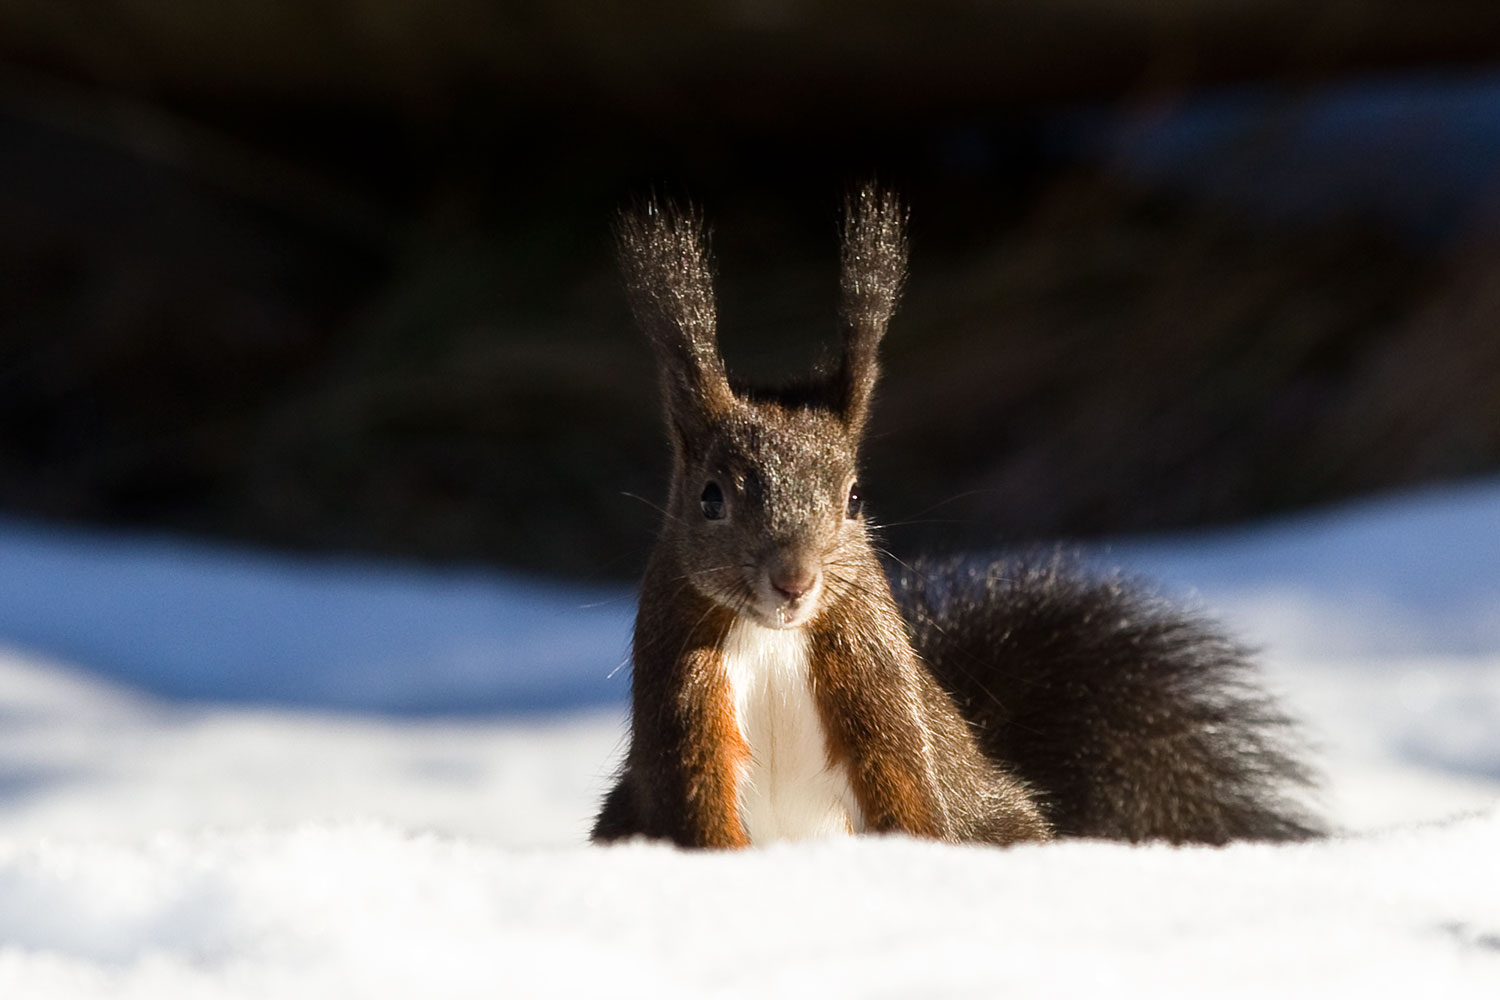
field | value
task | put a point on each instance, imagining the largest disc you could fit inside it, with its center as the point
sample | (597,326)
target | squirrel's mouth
(786,617)
(775,599)
(773,607)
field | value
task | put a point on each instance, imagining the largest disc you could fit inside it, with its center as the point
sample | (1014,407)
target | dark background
(335,274)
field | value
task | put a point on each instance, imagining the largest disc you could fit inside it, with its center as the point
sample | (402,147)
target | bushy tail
(1132,719)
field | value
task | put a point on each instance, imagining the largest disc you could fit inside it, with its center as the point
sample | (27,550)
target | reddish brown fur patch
(871,733)
(681,774)
(715,755)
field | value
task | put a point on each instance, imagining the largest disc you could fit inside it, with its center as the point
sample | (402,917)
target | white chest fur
(789,790)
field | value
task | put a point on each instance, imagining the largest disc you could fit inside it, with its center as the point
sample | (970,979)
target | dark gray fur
(1132,718)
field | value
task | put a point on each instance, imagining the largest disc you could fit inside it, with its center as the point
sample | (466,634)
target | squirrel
(786,686)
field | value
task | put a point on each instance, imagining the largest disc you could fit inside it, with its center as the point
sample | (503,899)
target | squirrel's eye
(856,503)
(712,502)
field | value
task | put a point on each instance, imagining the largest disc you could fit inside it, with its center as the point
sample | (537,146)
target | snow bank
(362,911)
(199,621)
(1389,578)
(190,806)
(80,759)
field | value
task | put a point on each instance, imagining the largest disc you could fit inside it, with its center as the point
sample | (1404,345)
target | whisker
(852,584)
(654,506)
(901,562)
(908,522)
(953,499)
(693,631)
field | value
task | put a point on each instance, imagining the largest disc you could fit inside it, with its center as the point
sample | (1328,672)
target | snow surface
(225,774)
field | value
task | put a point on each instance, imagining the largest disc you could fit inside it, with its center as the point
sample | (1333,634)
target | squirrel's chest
(788,789)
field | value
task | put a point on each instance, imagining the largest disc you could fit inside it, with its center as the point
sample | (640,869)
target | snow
(193,621)
(1384,578)
(365,910)
(225,774)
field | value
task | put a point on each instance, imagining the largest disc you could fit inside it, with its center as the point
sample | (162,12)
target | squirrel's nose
(794,581)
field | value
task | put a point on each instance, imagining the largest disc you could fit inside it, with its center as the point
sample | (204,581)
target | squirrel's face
(765,515)
(768,517)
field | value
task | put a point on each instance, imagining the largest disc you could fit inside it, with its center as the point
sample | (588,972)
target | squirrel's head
(765,515)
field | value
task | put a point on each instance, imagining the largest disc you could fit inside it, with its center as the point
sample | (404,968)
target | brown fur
(679,782)
(913,762)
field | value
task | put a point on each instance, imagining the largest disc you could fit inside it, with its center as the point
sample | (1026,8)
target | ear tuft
(668,274)
(873,270)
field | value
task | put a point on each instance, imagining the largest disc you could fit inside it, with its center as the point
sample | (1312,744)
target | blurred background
(335,275)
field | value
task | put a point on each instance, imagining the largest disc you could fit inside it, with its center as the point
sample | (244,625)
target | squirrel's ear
(668,275)
(873,269)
